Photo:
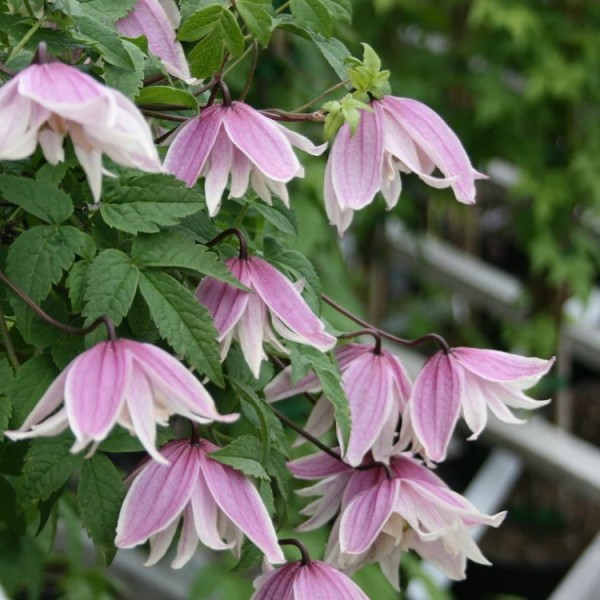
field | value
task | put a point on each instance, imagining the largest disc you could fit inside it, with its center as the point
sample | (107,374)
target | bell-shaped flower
(312,581)
(388,510)
(158,21)
(46,102)
(469,381)
(397,135)
(243,315)
(236,145)
(218,505)
(377,389)
(133,384)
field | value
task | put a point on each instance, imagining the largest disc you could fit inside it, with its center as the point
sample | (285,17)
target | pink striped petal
(435,404)
(405,467)
(325,508)
(316,466)
(240,501)
(280,387)
(160,542)
(338,216)
(261,141)
(278,584)
(299,141)
(320,581)
(356,162)
(218,167)
(95,389)
(320,420)
(192,145)
(250,330)
(360,482)
(188,540)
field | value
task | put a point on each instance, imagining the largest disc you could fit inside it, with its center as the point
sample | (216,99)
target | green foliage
(160,94)
(257,16)
(242,455)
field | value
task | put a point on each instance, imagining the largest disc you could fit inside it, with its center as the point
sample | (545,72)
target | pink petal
(299,141)
(320,420)
(250,332)
(363,519)
(240,501)
(405,467)
(320,581)
(192,145)
(188,540)
(356,162)
(316,466)
(286,303)
(280,387)
(95,389)
(435,404)
(158,495)
(361,481)
(474,407)
(219,166)
(240,174)
(338,216)
(160,542)
(278,584)
(261,141)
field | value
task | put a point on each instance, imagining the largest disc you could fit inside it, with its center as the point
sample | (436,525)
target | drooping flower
(469,381)
(218,505)
(398,135)
(46,102)
(313,581)
(239,145)
(158,21)
(243,316)
(385,512)
(377,389)
(134,384)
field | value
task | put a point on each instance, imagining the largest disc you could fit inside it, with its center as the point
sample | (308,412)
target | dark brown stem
(243,255)
(164,136)
(303,551)
(372,332)
(438,339)
(250,74)
(195,435)
(377,465)
(154,79)
(41,56)
(164,116)
(4,69)
(282,115)
(225,93)
(163,107)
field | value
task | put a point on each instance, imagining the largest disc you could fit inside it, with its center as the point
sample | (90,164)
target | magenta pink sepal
(133,384)
(217,503)
(244,316)
(235,145)
(468,381)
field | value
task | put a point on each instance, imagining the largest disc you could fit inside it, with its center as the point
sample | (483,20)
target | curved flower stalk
(46,102)
(158,21)
(397,135)
(312,581)
(243,316)
(469,381)
(218,505)
(236,145)
(386,512)
(377,388)
(133,384)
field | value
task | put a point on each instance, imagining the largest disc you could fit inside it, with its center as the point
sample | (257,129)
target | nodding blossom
(243,315)
(217,503)
(236,145)
(468,381)
(377,389)
(385,511)
(46,102)
(158,21)
(396,135)
(133,384)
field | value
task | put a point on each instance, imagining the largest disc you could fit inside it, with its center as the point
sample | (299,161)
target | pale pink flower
(385,512)
(377,389)
(469,381)
(239,145)
(243,316)
(314,581)
(45,102)
(397,135)
(123,382)
(217,503)
(158,20)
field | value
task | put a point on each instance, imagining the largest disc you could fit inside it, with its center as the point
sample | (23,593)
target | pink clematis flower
(312,581)
(45,102)
(243,316)
(469,380)
(399,135)
(385,512)
(158,20)
(217,503)
(237,142)
(130,383)
(377,388)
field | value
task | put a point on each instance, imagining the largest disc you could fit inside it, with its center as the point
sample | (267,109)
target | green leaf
(161,94)
(120,440)
(108,12)
(242,455)
(148,202)
(334,52)
(52,174)
(104,39)
(183,321)
(6,378)
(173,249)
(99,495)
(198,227)
(340,10)
(279,216)
(256,14)
(313,15)
(76,282)
(39,199)
(112,281)
(127,80)
(48,466)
